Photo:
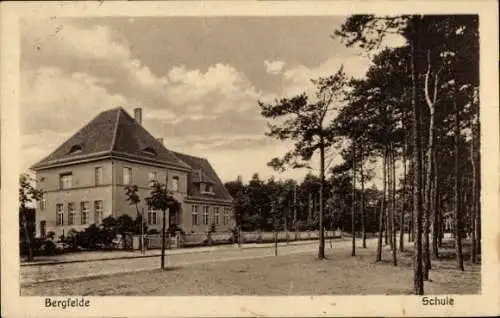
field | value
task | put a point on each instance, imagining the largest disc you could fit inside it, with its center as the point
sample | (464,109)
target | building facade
(84,179)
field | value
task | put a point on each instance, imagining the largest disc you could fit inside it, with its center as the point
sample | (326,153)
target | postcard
(250,158)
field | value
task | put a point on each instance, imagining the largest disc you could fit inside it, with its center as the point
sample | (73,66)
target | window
(43,229)
(226,215)
(98,212)
(71,213)
(216,216)
(75,149)
(59,214)
(127,175)
(149,151)
(43,202)
(175,183)
(152,217)
(98,175)
(65,180)
(206,188)
(194,214)
(205,214)
(153,176)
(84,210)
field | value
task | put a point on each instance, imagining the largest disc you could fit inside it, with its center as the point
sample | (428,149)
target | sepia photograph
(332,154)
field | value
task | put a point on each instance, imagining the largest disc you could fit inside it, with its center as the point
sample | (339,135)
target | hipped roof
(111,133)
(115,134)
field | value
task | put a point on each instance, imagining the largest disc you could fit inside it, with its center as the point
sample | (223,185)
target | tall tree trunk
(426,261)
(436,214)
(387,200)
(386,217)
(466,226)
(430,98)
(390,210)
(321,249)
(418,284)
(332,220)
(362,198)
(403,200)
(295,227)
(353,213)
(285,220)
(316,210)
(275,240)
(380,230)
(441,225)
(411,229)
(382,209)
(240,238)
(441,222)
(390,203)
(389,197)
(476,132)
(310,208)
(458,225)
(332,233)
(393,207)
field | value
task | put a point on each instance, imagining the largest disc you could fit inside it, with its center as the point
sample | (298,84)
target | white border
(486,304)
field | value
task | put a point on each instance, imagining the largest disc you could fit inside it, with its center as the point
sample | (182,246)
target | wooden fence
(200,239)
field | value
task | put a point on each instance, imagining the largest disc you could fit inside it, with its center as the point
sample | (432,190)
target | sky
(197,79)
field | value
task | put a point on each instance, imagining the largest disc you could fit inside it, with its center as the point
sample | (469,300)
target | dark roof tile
(134,139)
(111,131)
(115,132)
(95,137)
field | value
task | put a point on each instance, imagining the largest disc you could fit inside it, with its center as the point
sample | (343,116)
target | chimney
(160,140)
(138,115)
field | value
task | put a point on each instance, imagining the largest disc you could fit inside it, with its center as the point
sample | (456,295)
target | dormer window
(149,151)
(75,149)
(206,188)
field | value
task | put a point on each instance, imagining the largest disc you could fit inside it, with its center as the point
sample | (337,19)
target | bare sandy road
(45,272)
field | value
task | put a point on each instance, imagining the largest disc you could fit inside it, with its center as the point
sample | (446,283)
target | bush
(92,238)
(49,248)
(51,235)
(40,247)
